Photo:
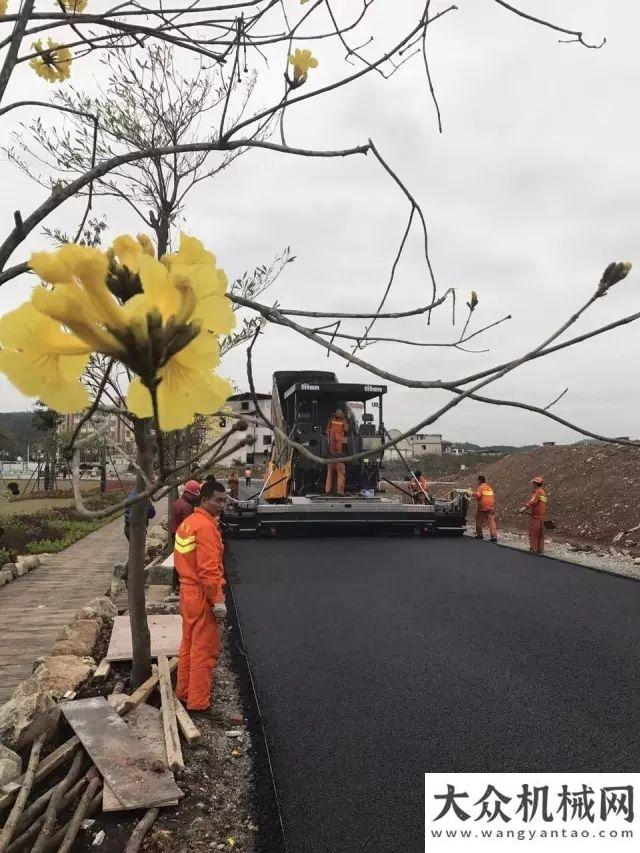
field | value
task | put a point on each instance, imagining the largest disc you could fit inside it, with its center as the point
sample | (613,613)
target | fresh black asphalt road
(377,660)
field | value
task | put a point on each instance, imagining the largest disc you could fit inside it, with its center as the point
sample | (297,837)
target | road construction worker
(234,484)
(418,488)
(536,507)
(485,509)
(184,506)
(247,476)
(198,558)
(337,431)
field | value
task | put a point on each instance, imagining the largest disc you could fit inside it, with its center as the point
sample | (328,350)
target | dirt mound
(594,490)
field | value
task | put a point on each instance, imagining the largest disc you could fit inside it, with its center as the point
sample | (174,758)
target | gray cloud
(532,189)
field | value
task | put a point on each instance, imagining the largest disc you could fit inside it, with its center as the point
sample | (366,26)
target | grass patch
(49,530)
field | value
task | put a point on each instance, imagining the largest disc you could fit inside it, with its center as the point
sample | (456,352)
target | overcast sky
(531,190)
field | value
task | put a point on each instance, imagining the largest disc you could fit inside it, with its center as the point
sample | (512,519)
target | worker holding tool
(536,507)
(485,510)
(337,431)
(418,488)
(198,560)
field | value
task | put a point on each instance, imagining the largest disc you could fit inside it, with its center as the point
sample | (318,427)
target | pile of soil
(593,490)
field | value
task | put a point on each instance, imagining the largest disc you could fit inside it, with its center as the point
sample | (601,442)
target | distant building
(404,446)
(259,451)
(426,444)
(415,446)
(450,449)
(119,435)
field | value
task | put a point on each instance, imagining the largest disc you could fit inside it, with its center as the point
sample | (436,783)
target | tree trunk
(140,637)
(103,470)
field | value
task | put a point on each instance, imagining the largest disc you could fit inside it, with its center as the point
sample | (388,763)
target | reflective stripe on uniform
(185,545)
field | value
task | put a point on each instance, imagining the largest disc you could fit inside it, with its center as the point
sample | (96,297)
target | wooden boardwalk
(35,607)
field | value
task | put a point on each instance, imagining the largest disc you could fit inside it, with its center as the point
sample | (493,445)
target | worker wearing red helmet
(184,506)
(536,507)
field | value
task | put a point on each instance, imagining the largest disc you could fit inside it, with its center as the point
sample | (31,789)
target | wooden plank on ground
(122,760)
(103,669)
(190,731)
(166,633)
(171,736)
(145,724)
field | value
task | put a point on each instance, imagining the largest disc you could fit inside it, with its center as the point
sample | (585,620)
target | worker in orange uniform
(234,484)
(536,506)
(418,488)
(198,560)
(485,510)
(337,431)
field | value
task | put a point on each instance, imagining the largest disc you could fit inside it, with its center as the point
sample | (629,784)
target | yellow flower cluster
(302,61)
(74,5)
(53,62)
(166,334)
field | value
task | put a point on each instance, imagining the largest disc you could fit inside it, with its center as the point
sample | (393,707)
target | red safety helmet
(193,488)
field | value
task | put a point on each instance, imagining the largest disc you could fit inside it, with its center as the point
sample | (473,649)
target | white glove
(220,610)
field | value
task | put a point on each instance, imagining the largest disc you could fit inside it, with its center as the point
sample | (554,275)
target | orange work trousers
(199,649)
(536,535)
(335,471)
(486,517)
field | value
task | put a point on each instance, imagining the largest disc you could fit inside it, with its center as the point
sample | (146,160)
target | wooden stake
(103,669)
(78,816)
(171,736)
(54,760)
(143,692)
(58,838)
(138,834)
(189,730)
(18,806)
(55,803)
(30,834)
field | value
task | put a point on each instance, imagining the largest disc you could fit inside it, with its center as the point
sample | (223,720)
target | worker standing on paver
(198,558)
(485,510)
(337,431)
(536,507)
(418,488)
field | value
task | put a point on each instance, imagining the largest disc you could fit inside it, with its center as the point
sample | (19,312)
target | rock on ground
(23,720)
(104,607)
(78,639)
(57,675)
(10,765)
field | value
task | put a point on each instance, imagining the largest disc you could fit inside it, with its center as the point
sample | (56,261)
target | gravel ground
(581,554)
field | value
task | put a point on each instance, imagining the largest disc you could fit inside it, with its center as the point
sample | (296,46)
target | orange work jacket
(485,497)
(418,486)
(537,503)
(198,554)
(336,433)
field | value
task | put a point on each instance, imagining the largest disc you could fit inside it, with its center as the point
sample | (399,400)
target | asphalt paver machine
(293,499)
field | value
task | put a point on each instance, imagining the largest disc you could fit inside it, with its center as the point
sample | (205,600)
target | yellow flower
(166,334)
(302,61)
(187,386)
(53,62)
(43,361)
(3,6)
(74,5)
